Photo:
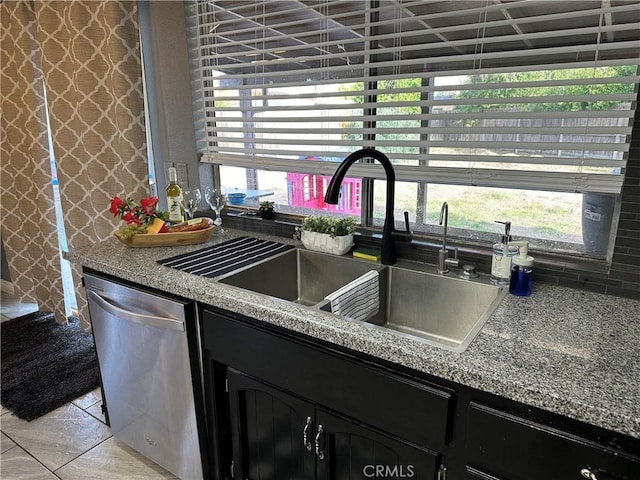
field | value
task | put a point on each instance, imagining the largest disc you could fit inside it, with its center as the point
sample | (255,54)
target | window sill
(424,247)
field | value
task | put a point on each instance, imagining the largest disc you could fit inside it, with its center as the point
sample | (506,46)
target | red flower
(148,205)
(116,205)
(141,214)
(129,217)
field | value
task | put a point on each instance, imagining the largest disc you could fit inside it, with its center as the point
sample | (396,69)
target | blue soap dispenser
(521,271)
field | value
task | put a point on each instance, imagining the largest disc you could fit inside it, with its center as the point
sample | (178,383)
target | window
(518,110)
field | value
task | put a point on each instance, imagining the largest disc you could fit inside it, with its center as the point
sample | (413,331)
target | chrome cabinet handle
(442,472)
(319,449)
(305,434)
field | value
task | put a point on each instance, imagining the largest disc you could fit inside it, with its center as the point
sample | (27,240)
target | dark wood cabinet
(296,411)
(351,451)
(285,406)
(277,436)
(414,410)
(271,431)
(516,448)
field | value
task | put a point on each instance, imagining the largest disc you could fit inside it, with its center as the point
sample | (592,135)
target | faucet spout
(389,234)
(444,214)
(443,254)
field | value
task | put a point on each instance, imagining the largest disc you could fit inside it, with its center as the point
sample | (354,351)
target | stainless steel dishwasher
(146,368)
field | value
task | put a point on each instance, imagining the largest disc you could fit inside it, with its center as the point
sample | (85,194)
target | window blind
(517,94)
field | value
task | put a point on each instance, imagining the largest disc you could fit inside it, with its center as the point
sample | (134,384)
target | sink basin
(444,311)
(300,276)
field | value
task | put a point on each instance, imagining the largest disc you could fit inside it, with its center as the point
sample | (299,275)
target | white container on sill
(323,242)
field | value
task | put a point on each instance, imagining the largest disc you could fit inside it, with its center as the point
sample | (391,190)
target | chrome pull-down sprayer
(389,233)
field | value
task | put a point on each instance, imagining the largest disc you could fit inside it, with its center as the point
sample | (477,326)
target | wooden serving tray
(167,239)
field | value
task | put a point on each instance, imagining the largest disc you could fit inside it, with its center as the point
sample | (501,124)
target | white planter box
(322,242)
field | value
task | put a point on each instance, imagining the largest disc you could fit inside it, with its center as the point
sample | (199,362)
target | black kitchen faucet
(389,232)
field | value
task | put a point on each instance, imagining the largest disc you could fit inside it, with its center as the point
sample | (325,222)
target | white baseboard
(6,287)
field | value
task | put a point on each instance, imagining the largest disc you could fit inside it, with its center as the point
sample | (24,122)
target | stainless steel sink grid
(444,311)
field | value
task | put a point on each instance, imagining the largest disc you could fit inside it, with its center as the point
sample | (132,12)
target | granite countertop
(568,351)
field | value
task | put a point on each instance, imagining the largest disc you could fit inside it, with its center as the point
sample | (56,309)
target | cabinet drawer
(519,449)
(408,409)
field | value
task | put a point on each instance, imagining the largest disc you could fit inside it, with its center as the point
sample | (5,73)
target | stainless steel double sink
(444,311)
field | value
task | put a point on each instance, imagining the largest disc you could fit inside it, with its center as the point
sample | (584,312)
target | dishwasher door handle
(152,320)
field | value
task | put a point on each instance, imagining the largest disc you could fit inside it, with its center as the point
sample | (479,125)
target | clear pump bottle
(503,253)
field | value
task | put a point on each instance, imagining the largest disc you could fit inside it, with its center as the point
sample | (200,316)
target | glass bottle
(174,197)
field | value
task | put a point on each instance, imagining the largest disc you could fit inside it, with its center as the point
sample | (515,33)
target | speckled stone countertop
(571,352)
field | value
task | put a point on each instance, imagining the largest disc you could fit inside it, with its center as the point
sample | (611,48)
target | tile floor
(71,442)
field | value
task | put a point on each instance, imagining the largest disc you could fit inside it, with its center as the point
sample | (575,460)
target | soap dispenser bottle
(521,271)
(503,252)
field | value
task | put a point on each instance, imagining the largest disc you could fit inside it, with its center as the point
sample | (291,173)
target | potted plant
(327,234)
(266,210)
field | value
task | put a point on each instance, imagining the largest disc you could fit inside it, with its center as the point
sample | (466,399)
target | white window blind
(525,94)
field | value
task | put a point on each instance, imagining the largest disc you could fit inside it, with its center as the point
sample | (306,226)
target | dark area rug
(44,364)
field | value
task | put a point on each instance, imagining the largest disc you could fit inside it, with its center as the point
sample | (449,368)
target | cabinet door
(349,451)
(267,428)
(416,411)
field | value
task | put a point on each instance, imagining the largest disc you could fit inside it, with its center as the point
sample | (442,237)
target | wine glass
(217,199)
(191,201)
